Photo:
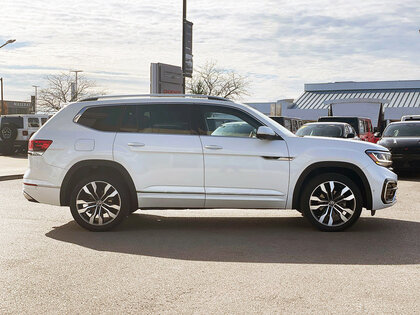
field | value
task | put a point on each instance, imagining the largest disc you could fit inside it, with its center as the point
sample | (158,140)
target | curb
(11,177)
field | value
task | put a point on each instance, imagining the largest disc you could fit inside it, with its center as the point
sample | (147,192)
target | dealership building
(398,98)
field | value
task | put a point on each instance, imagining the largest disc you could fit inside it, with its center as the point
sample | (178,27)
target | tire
(8,132)
(107,212)
(331,202)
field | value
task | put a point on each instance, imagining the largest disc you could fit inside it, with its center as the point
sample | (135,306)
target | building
(398,98)
(18,107)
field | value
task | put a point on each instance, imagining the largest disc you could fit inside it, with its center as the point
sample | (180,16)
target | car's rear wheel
(99,203)
(331,202)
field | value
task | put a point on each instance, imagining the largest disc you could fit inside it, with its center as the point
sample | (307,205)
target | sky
(277,45)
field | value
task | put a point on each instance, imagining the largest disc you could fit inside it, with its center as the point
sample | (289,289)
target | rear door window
(158,119)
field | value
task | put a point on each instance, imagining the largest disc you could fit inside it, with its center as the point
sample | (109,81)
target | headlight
(381,158)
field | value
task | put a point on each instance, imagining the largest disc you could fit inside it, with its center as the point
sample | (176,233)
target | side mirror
(377,134)
(350,135)
(266,133)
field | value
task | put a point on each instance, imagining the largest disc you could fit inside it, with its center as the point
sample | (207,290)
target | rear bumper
(41,193)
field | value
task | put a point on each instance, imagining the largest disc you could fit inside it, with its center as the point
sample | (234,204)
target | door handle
(213,147)
(136,144)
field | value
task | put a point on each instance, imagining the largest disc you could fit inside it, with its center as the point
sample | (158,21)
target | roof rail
(100,97)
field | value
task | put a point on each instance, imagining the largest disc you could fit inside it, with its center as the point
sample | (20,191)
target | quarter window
(104,118)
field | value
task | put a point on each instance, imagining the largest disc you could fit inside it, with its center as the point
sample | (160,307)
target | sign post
(187,57)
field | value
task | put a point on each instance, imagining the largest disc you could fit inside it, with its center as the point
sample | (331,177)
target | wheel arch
(348,169)
(86,167)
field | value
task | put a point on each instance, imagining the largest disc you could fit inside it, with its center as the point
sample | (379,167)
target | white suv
(106,157)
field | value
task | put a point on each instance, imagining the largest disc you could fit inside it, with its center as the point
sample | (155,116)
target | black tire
(101,181)
(8,132)
(332,210)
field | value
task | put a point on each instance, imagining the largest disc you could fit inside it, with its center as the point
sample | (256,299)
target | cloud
(280,45)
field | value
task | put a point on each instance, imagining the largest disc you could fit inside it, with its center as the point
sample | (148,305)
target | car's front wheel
(331,202)
(99,203)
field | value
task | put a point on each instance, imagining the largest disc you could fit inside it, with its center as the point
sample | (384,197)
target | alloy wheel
(98,203)
(332,203)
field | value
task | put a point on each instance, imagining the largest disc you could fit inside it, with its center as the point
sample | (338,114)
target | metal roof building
(399,93)
(399,98)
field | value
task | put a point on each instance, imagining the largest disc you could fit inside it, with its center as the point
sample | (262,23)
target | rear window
(17,121)
(101,118)
(354,122)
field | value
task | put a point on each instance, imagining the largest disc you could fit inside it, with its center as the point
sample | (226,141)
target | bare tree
(58,91)
(211,80)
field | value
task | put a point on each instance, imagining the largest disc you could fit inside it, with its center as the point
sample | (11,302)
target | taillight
(38,147)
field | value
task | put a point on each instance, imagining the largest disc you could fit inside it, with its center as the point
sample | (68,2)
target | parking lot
(213,261)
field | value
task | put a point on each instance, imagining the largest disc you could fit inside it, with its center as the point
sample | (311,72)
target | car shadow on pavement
(372,241)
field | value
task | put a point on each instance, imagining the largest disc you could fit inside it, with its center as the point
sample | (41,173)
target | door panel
(167,169)
(245,173)
(241,171)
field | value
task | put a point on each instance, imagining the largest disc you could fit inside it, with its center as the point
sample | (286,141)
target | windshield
(323,130)
(403,130)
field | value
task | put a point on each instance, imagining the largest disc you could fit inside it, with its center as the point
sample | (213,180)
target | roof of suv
(153,96)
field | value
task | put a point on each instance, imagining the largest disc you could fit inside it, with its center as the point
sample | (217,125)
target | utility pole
(10,41)
(2,100)
(184,18)
(36,96)
(76,72)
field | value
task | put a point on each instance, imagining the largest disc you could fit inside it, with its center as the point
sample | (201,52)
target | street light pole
(2,100)
(8,42)
(184,18)
(36,96)
(75,87)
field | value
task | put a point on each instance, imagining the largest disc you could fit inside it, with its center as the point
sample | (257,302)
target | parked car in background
(410,117)
(108,156)
(362,126)
(15,131)
(327,129)
(292,124)
(402,139)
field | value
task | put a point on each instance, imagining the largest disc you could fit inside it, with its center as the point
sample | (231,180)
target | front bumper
(380,179)
(389,191)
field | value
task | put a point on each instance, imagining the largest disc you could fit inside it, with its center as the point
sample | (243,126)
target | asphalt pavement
(212,261)
(13,167)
